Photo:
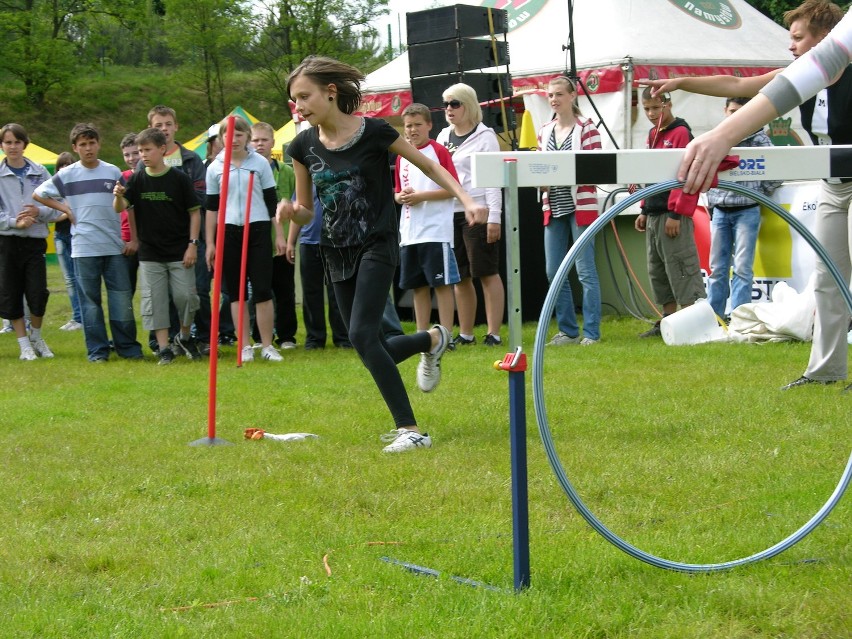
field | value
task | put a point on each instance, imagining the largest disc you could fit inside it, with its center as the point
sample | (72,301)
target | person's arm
(62,207)
(302,210)
(416,197)
(210,221)
(131,247)
(475,213)
(721,86)
(119,202)
(412,197)
(190,255)
(292,238)
(704,153)
(811,72)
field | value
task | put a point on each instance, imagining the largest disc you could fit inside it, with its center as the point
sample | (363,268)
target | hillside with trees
(109,61)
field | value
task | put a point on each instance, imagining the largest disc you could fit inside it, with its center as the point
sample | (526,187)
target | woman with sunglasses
(571,209)
(476,248)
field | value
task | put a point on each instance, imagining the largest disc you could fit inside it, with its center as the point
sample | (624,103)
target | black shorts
(23,273)
(428,264)
(474,255)
(258,262)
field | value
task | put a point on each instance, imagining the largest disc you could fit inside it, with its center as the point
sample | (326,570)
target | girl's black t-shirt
(353,184)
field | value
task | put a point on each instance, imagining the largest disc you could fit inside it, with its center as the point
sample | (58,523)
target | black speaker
(493,117)
(459,21)
(430,90)
(455,56)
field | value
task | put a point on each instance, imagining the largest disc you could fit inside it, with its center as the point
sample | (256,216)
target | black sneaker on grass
(458,340)
(188,346)
(165,356)
(654,331)
(492,340)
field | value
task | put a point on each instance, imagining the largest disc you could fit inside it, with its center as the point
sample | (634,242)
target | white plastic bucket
(694,324)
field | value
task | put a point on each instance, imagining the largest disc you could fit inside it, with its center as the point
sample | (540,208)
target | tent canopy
(617,41)
(282,137)
(199,142)
(38,154)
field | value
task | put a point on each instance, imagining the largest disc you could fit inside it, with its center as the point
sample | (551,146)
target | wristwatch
(194,242)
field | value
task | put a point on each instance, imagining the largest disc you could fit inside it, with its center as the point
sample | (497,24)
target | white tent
(617,41)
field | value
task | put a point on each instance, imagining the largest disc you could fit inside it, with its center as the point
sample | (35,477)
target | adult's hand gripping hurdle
(650,166)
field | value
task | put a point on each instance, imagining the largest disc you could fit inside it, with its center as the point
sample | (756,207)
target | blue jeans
(559,236)
(734,236)
(62,241)
(112,270)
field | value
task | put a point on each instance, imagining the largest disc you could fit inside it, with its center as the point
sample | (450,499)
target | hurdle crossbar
(644,166)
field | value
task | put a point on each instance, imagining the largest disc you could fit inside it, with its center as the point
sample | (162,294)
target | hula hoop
(538,385)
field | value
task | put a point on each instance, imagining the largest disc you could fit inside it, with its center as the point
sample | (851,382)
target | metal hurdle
(525,169)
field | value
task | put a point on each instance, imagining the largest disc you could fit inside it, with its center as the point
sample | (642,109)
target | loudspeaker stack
(445,45)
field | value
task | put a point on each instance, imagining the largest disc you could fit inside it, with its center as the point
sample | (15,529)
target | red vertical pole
(244,259)
(215,293)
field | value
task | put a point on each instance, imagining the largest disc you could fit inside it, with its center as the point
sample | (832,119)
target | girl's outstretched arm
(475,213)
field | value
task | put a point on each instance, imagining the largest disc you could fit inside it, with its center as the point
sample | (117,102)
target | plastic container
(694,324)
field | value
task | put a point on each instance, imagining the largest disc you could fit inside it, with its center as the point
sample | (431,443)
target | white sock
(24,343)
(467,337)
(35,334)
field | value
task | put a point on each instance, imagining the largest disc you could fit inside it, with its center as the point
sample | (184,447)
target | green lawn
(115,527)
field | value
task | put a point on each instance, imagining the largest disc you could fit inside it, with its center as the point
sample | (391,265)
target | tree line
(48,42)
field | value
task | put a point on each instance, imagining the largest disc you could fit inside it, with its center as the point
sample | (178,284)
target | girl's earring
(330,98)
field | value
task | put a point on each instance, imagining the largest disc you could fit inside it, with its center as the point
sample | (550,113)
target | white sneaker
(28,354)
(288,346)
(270,353)
(248,354)
(429,368)
(7,327)
(71,326)
(588,341)
(561,339)
(41,349)
(403,440)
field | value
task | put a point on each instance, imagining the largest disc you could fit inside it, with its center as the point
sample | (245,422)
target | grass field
(115,527)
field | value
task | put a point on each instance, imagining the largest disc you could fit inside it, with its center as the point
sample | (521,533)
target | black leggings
(361,299)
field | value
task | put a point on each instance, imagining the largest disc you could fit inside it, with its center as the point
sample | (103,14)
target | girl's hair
(569,85)
(64,159)
(240,124)
(18,131)
(466,94)
(323,71)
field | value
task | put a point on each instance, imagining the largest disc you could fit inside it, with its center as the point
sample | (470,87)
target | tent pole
(627,70)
